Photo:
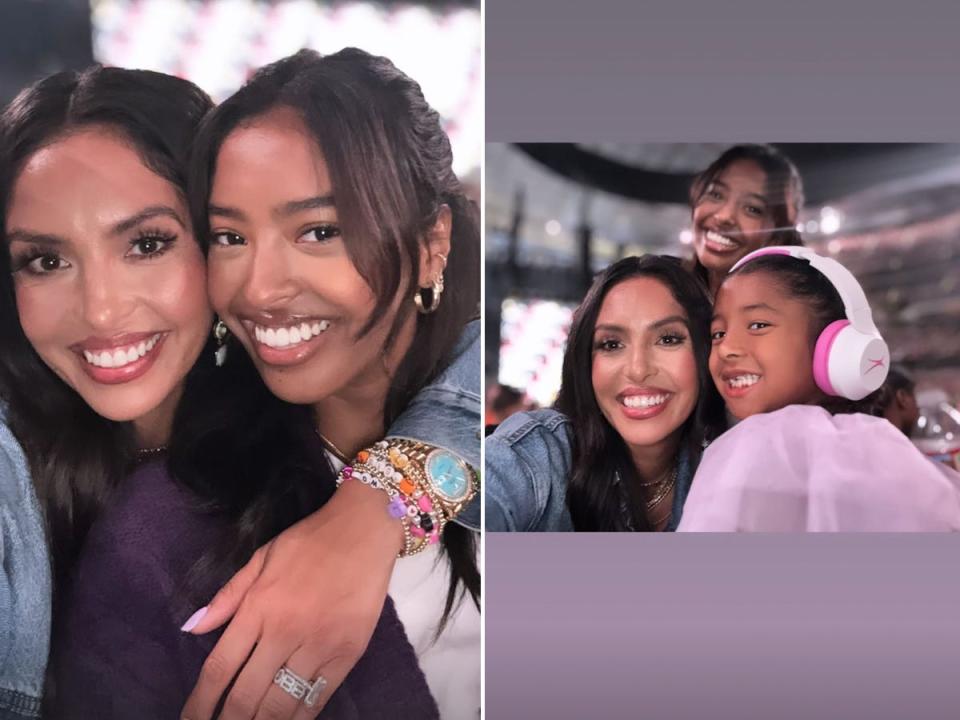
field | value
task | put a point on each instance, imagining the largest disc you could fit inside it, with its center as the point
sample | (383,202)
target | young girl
(634,408)
(793,342)
(747,198)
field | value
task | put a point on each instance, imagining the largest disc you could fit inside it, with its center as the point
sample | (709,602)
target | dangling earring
(220,332)
(436,290)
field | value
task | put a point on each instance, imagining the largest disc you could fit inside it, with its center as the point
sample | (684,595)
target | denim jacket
(446,413)
(25,585)
(527,466)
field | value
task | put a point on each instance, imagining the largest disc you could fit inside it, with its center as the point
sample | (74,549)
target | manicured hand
(308,600)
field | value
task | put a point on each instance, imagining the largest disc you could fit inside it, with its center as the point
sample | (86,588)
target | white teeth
(121,356)
(743,381)
(289,336)
(719,239)
(644,401)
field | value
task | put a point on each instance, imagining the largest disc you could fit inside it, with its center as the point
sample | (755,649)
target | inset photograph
(718,337)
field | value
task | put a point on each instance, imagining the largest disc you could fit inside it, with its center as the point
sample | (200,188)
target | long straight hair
(600,456)
(390,165)
(77,457)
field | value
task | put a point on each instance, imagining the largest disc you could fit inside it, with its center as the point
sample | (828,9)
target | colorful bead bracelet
(427,486)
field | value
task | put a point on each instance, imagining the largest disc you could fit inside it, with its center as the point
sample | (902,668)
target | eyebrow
(610,327)
(753,306)
(148,213)
(286,210)
(722,184)
(44,239)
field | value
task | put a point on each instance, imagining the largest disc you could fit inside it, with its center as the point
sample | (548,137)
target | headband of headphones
(855,304)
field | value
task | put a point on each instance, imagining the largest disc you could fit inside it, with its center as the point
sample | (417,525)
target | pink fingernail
(194,619)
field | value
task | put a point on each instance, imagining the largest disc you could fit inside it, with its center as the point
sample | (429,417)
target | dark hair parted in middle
(599,453)
(390,166)
(784,188)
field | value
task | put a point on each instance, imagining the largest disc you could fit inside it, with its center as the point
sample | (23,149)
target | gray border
(707,626)
(697,71)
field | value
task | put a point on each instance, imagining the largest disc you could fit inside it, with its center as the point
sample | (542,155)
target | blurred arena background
(218,43)
(558,213)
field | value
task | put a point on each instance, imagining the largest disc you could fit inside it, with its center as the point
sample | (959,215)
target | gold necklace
(667,487)
(341,456)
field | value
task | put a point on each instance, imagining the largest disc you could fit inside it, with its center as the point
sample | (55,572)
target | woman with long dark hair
(749,197)
(95,222)
(635,407)
(363,233)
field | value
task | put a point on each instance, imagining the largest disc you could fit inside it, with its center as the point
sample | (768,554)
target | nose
(729,346)
(726,213)
(270,280)
(107,299)
(640,364)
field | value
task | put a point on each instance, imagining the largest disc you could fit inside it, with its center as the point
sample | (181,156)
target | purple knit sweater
(120,653)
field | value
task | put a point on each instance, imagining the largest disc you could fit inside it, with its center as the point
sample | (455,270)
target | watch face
(448,475)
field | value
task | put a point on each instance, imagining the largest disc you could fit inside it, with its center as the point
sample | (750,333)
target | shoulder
(462,372)
(527,467)
(548,428)
(15,484)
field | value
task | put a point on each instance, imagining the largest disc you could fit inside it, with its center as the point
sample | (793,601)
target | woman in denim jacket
(635,407)
(24,670)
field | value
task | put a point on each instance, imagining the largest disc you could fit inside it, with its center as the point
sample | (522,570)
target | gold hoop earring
(435,290)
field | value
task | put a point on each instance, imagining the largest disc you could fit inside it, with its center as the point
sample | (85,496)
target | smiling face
(280,275)
(110,284)
(762,355)
(644,369)
(733,217)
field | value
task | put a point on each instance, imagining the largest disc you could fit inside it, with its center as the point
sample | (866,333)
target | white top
(450,663)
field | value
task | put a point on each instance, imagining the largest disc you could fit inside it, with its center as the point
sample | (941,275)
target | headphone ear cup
(848,363)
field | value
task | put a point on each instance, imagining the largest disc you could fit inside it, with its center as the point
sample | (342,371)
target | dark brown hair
(599,453)
(390,165)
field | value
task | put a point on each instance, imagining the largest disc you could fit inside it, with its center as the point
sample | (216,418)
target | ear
(435,248)
(901,399)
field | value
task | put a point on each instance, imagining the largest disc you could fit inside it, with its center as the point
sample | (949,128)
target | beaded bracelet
(427,486)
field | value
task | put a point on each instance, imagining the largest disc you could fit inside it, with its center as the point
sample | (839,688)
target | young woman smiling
(747,198)
(634,409)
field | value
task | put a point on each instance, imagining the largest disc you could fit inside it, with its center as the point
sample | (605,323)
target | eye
(718,335)
(671,339)
(714,194)
(608,345)
(755,210)
(43,264)
(758,325)
(320,234)
(151,245)
(227,238)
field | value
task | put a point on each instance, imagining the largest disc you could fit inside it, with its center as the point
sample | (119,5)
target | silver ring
(301,689)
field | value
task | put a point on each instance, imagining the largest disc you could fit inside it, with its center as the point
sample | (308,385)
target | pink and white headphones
(850,359)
